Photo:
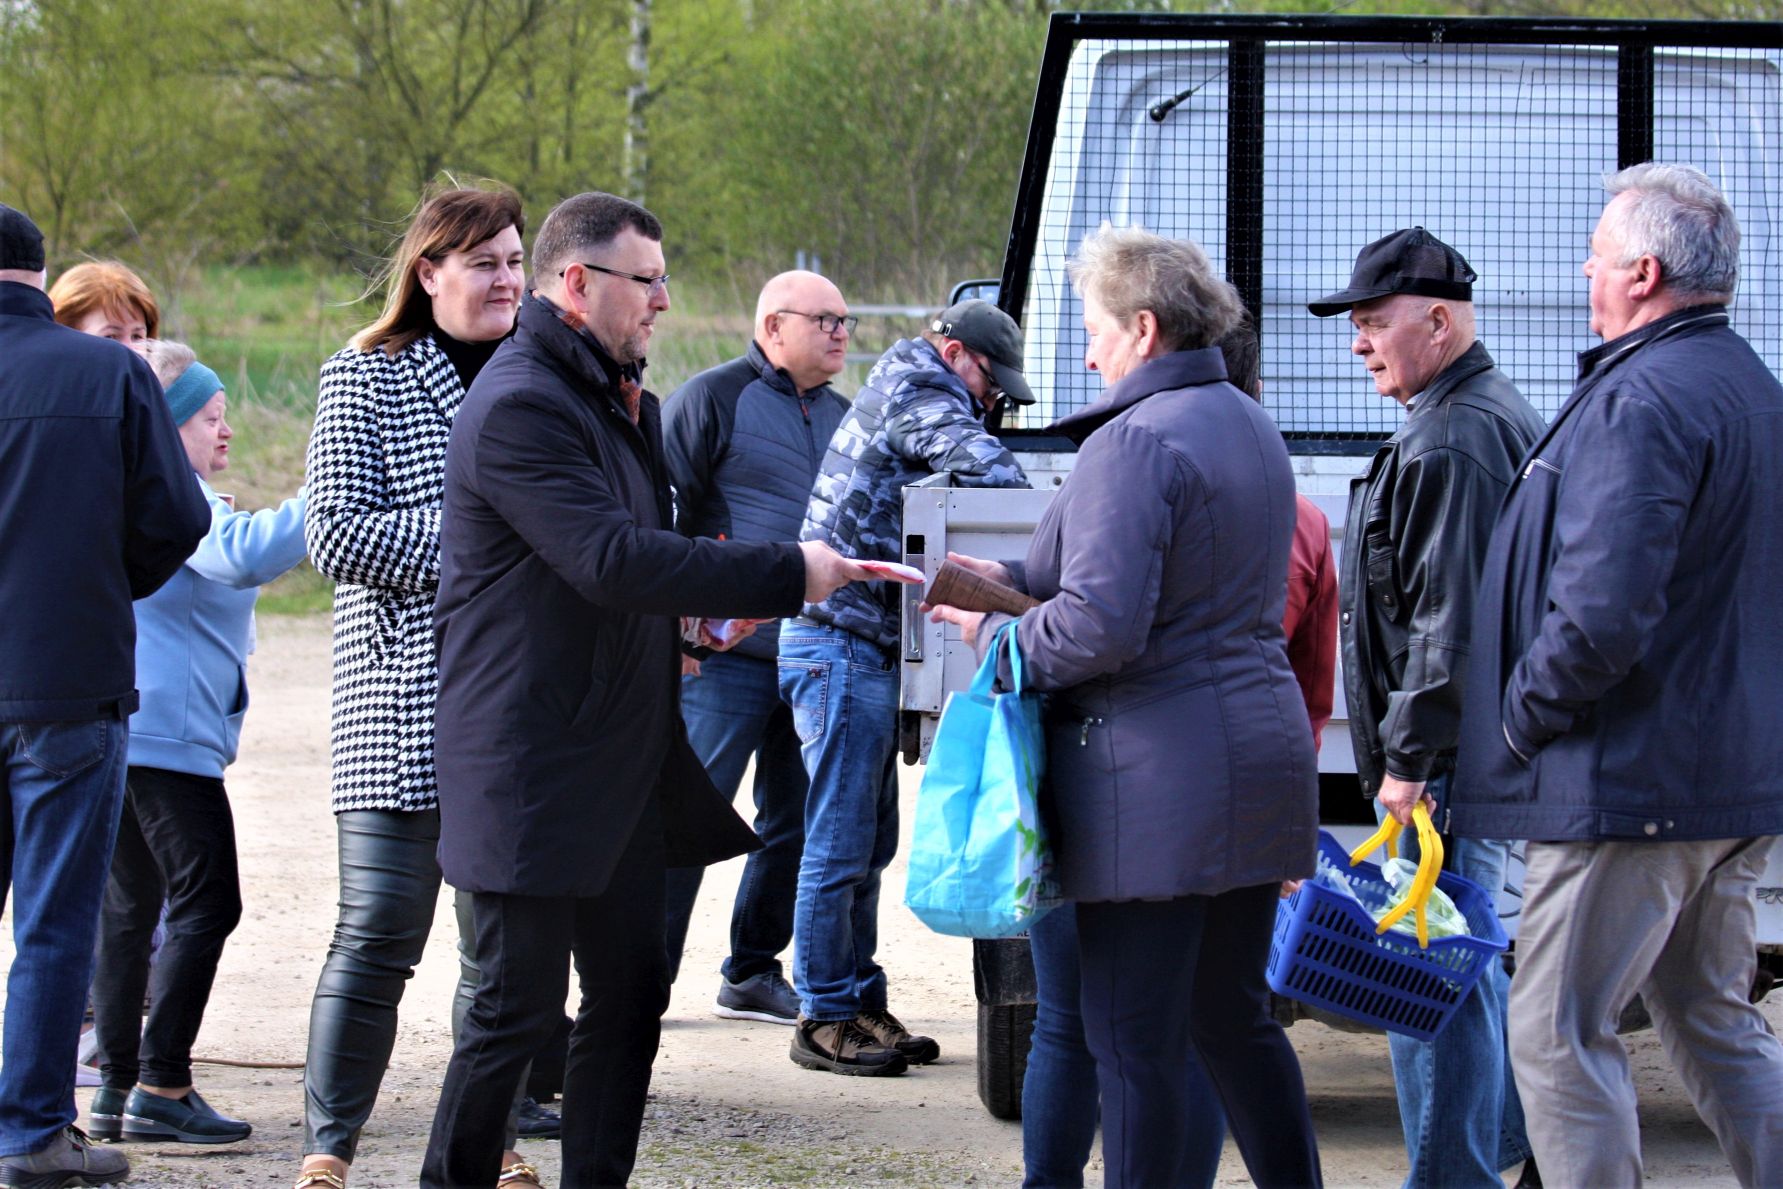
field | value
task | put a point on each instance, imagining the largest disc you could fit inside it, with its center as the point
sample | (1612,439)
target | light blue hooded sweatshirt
(193,637)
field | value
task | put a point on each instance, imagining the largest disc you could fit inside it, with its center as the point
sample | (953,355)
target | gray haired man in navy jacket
(98,506)
(1625,704)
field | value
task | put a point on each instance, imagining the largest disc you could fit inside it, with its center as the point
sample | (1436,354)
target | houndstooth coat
(376,466)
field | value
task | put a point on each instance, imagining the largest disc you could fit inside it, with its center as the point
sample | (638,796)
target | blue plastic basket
(1326,951)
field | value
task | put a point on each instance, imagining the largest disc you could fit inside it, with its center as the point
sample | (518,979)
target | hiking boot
(843,1046)
(888,1031)
(68,1160)
(188,1120)
(539,1122)
(105,1117)
(766,997)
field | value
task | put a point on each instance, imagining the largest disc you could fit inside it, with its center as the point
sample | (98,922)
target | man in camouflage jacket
(921,411)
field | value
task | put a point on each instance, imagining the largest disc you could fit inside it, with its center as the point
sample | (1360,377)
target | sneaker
(843,1046)
(888,1031)
(539,1122)
(765,997)
(70,1159)
(188,1120)
(105,1117)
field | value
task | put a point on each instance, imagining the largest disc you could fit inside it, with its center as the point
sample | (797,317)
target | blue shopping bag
(979,863)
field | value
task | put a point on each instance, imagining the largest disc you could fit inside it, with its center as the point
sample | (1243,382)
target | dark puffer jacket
(912,418)
(1419,520)
(1178,756)
(1628,651)
(743,447)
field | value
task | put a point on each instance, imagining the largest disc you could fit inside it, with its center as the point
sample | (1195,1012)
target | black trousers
(524,944)
(176,842)
(389,889)
(1162,979)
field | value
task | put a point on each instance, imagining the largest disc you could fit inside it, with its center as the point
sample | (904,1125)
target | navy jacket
(743,448)
(1179,760)
(560,583)
(1627,680)
(98,507)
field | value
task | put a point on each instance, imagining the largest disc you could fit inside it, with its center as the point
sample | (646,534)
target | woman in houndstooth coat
(376,469)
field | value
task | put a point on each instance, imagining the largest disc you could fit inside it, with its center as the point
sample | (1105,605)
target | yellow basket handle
(1430,857)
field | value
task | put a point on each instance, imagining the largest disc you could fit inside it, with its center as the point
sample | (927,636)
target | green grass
(267,330)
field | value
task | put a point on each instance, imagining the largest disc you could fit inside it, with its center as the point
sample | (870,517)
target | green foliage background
(254,159)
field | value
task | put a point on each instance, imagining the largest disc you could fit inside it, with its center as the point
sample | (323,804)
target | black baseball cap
(1409,261)
(983,328)
(21,244)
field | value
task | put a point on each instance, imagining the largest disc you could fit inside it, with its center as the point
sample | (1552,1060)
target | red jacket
(1311,619)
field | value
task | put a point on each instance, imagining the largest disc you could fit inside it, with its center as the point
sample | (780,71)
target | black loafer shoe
(539,1122)
(188,1120)
(105,1117)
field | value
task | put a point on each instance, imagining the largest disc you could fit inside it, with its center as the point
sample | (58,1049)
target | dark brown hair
(449,221)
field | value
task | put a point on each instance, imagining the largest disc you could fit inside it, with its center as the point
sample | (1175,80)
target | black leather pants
(389,888)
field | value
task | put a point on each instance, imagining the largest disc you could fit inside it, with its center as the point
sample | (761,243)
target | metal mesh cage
(1283,145)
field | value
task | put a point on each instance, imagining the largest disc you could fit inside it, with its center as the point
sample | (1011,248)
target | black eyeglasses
(827,322)
(653,284)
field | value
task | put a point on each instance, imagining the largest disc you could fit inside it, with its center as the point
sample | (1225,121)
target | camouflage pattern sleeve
(929,426)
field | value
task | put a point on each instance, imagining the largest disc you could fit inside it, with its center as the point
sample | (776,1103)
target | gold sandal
(312,1178)
(519,1173)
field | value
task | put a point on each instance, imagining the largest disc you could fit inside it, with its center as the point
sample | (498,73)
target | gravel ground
(728,1108)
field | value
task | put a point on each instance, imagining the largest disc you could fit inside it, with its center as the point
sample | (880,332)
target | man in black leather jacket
(1419,520)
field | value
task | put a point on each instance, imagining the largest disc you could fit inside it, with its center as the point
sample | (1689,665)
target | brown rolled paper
(955,586)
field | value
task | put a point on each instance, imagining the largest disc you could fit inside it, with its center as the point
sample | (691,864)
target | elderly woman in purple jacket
(1181,785)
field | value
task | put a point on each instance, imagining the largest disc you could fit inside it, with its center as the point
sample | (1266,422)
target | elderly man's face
(796,339)
(1612,309)
(1399,344)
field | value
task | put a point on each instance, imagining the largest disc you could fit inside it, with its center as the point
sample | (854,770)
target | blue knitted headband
(192,391)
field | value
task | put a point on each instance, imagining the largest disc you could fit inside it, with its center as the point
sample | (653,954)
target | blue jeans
(843,691)
(63,784)
(1458,1103)
(733,711)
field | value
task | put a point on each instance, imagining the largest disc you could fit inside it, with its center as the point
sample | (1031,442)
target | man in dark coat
(98,507)
(566,781)
(744,441)
(1625,708)
(1419,519)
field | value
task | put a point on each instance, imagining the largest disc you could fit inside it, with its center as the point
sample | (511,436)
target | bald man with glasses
(744,441)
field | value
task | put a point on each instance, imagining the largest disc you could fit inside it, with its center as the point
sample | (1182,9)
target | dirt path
(728,1107)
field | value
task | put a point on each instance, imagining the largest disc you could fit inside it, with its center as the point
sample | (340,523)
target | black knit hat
(21,244)
(1409,261)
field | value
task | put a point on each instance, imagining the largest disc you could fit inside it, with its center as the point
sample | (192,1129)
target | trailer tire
(1004,1030)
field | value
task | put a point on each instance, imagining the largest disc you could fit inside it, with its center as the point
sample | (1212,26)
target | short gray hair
(1128,269)
(1677,215)
(584,222)
(168,359)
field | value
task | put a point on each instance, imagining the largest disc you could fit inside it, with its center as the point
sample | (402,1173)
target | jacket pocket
(1383,583)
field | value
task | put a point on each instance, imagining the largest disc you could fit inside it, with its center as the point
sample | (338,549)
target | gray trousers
(1675,923)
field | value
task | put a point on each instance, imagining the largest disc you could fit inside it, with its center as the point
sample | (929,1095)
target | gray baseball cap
(984,328)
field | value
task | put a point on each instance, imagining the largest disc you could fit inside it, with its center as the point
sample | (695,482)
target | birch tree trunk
(637,98)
